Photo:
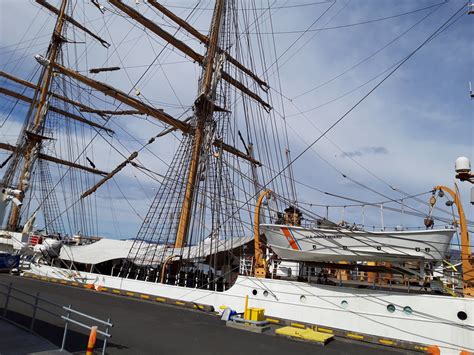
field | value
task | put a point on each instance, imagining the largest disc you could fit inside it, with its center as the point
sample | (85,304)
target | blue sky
(407,133)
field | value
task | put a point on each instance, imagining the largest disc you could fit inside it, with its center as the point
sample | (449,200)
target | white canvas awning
(149,254)
(98,252)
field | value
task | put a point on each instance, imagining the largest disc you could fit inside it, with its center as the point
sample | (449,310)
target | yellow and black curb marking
(142,296)
(400,344)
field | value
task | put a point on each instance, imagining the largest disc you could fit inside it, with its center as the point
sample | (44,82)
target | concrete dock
(14,341)
(142,327)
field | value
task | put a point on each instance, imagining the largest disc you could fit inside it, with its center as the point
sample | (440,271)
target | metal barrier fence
(36,302)
(68,320)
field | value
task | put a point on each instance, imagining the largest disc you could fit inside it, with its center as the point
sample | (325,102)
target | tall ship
(187,147)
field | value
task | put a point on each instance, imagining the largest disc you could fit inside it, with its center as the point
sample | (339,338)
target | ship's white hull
(433,320)
(301,244)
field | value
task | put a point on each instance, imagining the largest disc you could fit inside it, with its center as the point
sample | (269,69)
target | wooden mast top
(212,48)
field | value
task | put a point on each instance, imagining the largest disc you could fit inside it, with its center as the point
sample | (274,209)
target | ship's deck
(142,327)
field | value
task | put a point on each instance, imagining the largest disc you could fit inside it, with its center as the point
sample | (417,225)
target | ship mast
(204,108)
(199,132)
(34,137)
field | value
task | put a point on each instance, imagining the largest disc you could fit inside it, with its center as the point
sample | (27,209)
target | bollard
(92,339)
(246,307)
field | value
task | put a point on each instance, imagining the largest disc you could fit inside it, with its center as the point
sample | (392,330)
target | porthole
(303,298)
(265,293)
(391,308)
(462,315)
(417,249)
(427,250)
(407,310)
(379,248)
(254,292)
(344,248)
(344,304)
